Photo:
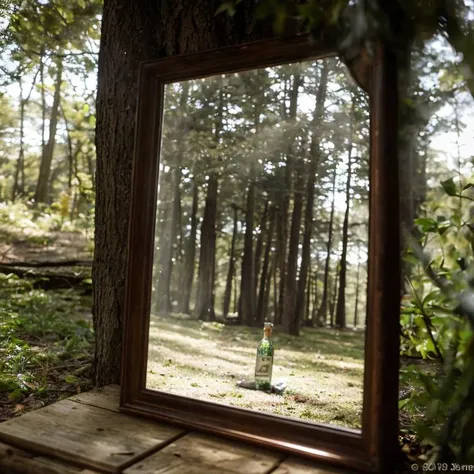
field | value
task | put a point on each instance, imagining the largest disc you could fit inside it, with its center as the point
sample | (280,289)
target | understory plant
(437,322)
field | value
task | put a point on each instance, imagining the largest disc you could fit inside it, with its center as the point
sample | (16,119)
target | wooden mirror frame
(375,447)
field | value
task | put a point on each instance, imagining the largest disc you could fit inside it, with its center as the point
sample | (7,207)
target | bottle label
(263,367)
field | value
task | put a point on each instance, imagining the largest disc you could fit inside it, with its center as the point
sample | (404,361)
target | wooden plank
(199,453)
(170,464)
(105,397)
(89,436)
(17,461)
(300,466)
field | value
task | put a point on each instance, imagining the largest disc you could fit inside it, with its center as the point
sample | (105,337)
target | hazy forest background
(261,221)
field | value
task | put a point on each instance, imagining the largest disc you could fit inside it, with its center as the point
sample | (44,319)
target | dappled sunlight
(201,361)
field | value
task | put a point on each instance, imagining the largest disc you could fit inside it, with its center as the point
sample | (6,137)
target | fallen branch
(63,263)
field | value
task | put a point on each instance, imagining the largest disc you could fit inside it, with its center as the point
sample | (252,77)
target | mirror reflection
(260,263)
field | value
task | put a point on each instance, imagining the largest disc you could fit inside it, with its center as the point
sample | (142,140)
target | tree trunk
(309,289)
(131,33)
(204,309)
(264,290)
(247,286)
(17,188)
(290,322)
(190,255)
(19,177)
(42,188)
(314,312)
(285,200)
(356,304)
(231,269)
(259,244)
(332,303)
(341,298)
(313,169)
(323,309)
(169,249)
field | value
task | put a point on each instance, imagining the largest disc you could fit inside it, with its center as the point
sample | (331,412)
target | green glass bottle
(264,364)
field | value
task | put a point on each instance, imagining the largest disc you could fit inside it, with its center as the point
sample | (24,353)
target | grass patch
(46,342)
(323,368)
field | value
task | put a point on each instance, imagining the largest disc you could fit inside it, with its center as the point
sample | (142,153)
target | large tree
(133,31)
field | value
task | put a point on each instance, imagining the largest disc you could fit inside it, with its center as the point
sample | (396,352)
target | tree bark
(247,285)
(204,309)
(231,269)
(313,169)
(290,322)
(285,200)
(17,189)
(265,281)
(190,255)
(332,303)
(42,188)
(341,298)
(169,249)
(133,32)
(259,244)
(323,309)
(356,304)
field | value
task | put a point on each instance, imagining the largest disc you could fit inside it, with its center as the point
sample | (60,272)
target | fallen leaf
(18,407)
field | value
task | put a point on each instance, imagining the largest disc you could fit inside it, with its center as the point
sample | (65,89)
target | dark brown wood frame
(375,448)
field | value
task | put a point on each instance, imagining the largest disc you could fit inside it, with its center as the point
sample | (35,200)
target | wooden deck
(86,434)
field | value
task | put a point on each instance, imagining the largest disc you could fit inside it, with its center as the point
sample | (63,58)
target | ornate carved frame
(372,449)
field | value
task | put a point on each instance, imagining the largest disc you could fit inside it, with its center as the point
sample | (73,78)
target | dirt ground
(323,368)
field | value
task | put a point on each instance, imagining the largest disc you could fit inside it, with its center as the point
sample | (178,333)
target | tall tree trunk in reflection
(283,218)
(268,284)
(231,269)
(314,312)
(259,244)
(204,309)
(170,244)
(323,309)
(247,286)
(318,116)
(309,290)
(341,298)
(42,188)
(332,302)
(265,279)
(190,255)
(290,322)
(356,304)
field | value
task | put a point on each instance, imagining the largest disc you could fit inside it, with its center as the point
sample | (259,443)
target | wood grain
(105,397)
(170,464)
(205,452)
(17,461)
(299,466)
(89,436)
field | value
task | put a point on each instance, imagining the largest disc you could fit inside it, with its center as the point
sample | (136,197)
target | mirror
(262,217)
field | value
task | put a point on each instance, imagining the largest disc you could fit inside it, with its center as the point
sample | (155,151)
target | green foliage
(37,332)
(437,322)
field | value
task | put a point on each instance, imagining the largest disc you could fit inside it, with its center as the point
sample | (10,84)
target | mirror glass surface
(262,217)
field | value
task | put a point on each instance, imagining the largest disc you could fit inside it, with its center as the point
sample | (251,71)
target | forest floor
(323,368)
(46,337)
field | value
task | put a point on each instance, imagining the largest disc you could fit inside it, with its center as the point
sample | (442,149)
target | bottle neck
(267,333)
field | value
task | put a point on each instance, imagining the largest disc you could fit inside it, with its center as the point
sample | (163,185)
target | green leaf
(467,186)
(449,187)
(427,224)
(402,403)
(72,379)
(15,395)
